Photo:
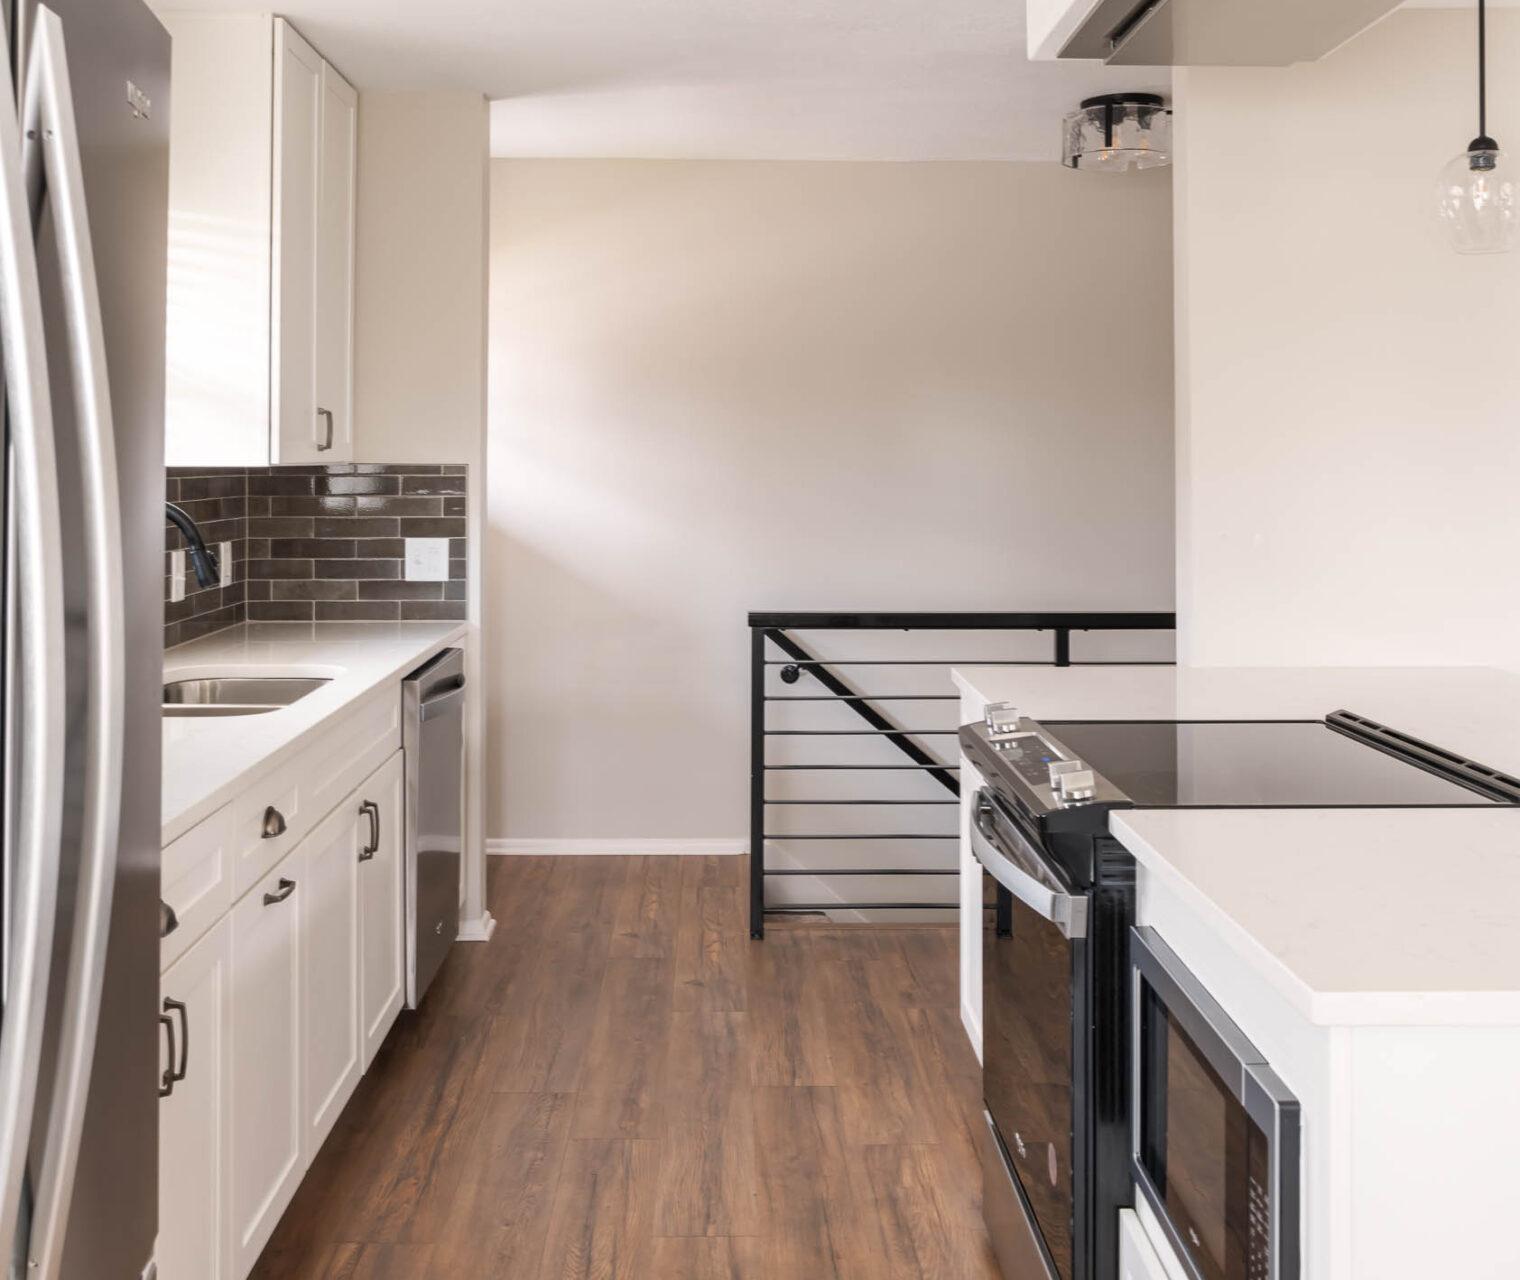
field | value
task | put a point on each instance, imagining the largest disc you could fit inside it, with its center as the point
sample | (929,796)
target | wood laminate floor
(622,1085)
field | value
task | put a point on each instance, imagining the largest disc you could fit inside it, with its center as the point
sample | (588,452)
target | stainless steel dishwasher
(432,733)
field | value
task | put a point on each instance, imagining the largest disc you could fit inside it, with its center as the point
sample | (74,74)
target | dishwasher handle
(442,701)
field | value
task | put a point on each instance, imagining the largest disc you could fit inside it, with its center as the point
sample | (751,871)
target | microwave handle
(1024,875)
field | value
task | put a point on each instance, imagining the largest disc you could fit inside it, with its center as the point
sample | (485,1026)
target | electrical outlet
(224,562)
(177,575)
(427,559)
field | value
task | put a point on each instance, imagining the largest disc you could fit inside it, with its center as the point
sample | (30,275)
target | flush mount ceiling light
(1477,195)
(1118,131)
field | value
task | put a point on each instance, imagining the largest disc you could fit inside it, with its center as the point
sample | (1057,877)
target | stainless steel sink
(236,695)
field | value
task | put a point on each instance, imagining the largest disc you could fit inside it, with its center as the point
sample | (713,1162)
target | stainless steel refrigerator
(83,241)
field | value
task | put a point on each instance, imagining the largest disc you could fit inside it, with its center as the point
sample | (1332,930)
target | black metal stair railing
(776,654)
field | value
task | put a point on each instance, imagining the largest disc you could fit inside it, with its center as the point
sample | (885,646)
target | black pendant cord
(1483,142)
(1482,69)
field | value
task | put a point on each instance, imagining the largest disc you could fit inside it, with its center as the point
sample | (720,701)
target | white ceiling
(749,79)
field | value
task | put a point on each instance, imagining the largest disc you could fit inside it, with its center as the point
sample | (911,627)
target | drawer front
(196,881)
(308,787)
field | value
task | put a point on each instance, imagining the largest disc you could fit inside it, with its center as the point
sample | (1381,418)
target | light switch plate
(427,559)
(177,575)
(224,562)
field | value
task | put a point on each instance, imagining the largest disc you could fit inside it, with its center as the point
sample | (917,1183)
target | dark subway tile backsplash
(318,544)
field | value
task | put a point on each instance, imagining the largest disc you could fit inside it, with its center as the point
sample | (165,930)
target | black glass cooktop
(1176,764)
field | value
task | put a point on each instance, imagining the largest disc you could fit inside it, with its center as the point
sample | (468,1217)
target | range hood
(1226,33)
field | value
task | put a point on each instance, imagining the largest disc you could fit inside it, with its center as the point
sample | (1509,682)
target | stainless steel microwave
(1216,1133)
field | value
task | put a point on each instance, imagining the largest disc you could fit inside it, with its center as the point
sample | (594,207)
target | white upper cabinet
(335,262)
(1196,33)
(263,147)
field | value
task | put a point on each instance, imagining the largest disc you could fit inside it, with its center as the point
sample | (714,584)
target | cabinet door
(193,1150)
(329,859)
(296,433)
(335,264)
(1138,1258)
(382,959)
(266,1058)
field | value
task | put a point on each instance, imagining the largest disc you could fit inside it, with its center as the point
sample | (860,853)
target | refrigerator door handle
(53,156)
(38,678)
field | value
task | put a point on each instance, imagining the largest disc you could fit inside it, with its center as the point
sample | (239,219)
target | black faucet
(207,572)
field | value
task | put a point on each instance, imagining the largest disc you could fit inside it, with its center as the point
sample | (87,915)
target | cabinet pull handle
(166,1081)
(287,887)
(371,811)
(274,824)
(175,1074)
(168,922)
(327,417)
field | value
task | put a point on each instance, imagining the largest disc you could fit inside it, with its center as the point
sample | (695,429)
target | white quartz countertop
(1357,916)
(208,760)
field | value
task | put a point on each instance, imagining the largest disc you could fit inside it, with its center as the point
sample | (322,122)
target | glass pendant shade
(1118,131)
(1477,198)
(1478,202)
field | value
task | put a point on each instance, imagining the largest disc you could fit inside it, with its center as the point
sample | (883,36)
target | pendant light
(1118,131)
(1477,195)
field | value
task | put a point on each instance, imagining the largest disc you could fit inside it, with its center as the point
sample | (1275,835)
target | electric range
(1060,892)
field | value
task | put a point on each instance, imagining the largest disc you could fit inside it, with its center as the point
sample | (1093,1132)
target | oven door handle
(1024,874)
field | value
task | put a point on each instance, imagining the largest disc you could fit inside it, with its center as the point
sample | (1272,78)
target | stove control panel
(1031,757)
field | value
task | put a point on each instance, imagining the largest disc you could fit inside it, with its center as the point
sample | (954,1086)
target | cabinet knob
(274,824)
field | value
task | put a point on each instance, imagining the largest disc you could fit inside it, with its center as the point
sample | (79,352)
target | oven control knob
(1002,719)
(1072,780)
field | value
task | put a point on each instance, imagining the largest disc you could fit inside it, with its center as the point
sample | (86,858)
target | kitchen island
(1373,955)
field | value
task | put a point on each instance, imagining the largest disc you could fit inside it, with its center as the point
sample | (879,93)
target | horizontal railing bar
(1024,621)
(862,802)
(866,871)
(862,697)
(860,835)
(908,662)
(861,906)
(855,733)
(794,767)
(971,662)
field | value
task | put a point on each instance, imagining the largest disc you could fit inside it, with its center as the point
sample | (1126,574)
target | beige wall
(726,386)
(1348,388)
(420,333)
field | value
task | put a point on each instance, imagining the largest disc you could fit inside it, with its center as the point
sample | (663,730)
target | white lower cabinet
(193,1146)
(270,1019)
(382,951)
(1139,1258)
(266,1058)
(329,971)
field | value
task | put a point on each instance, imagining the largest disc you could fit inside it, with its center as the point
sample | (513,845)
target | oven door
(1033,1007)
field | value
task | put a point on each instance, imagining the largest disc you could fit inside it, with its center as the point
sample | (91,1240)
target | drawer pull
(172,1074)
(287,887)
(168,922)
(166,1081)
(371,811)
(274,824)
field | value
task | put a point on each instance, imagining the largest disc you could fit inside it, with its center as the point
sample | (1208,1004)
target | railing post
(757,782)
(1063,646)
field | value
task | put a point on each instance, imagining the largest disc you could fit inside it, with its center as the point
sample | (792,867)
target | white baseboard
(477,930)
(699,847)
